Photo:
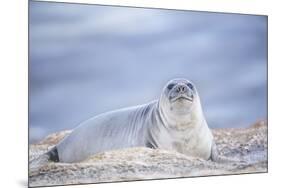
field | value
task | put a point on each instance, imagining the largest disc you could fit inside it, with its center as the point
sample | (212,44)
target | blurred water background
(88,59)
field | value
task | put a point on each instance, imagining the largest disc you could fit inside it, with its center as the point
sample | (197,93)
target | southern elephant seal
(174,122)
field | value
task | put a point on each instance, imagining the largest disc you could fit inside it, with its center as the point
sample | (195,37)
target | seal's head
(179,98)
(179,94)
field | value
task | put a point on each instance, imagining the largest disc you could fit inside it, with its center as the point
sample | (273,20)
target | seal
(174,122)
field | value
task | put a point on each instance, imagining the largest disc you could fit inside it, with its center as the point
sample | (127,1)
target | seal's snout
(181,88)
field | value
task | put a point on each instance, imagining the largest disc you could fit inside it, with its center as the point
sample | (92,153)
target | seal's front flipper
(53,154)
(214,153)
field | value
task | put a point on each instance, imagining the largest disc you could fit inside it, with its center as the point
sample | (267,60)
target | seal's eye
(170,86)
(190,85)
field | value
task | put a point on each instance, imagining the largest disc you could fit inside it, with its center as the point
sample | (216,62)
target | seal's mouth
(182,97)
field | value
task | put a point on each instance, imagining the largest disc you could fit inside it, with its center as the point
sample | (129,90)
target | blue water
(89,59)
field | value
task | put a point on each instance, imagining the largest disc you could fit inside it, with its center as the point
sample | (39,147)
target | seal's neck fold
(171,118)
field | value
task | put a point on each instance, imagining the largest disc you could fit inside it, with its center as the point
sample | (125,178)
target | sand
(245,147)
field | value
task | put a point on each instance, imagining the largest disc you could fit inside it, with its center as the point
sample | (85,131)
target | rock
(248,146)
(53,139)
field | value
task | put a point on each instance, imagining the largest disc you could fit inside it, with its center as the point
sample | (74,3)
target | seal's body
(174,122)
(113,130)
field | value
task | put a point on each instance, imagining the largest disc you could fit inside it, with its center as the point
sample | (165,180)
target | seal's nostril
(183,88)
